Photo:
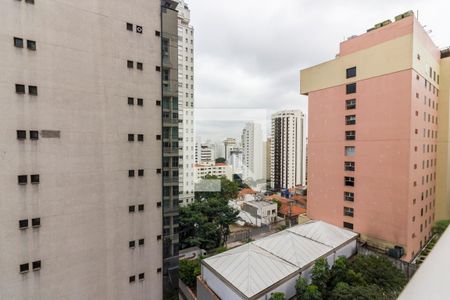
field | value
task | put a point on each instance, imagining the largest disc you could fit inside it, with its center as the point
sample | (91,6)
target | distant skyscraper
(287,149)
(252,150)
(186,100)
(268,163)
(373,128)
(229,143)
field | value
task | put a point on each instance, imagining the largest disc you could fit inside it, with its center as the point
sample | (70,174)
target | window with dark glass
(35,179)
(130,173)
(351,72)
(349,196)
(32,90)
(348,211)
(131,208)
(140,137)
(141,207)
(22,179)
(349,166)
(141,172)
(350,120)
(131,137)
(20,89)
(34,134)
(130,64)
(21,134)
(348,225)
(132,279)
(140,102)
(29,1)
(131,244)
(140,66)
(23,224)
(350,88)
(349,181)
(350,104)
(18,42)
(36,265)
(36,222)
(31,45)
(141,276)
(129,27)
(130,101)
(350,135)
(24,268)
(139,29)
(141,242)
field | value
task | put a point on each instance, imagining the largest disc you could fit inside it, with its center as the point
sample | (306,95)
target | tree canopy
(189,270)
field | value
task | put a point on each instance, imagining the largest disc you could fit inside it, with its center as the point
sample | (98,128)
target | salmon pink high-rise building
(373,133)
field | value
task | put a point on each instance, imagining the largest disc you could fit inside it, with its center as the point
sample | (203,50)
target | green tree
(277,296)
(321,275)
(188,271)
(380,271)
(300,287)
(338,272)
(312,293)
(344,291)
(441,226)
(228,189)
(220,160)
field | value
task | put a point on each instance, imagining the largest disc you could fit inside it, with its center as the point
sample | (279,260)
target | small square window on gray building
(141,172)
(23,224)
(142,276)
(131,137)
(36,265)
(32,90)
(23,268)
(31,45)
(131,209)
(129,27)
(140,102)
(21,134)
(131,244)
(20,89)
(140,66)
(130,101)
(139,29)
(132,279)
(140,137)
(34,135)
(36,222)
(22,179)
(141,242)
(130,64)
(130,173)
(34,179)
(18,42)
(141,207)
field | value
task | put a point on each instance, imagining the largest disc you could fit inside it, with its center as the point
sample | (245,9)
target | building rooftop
(258,265)
(260,203)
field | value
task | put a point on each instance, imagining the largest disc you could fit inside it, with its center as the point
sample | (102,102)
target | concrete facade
(376,176)
(83,110)
(186,100)
(287,149)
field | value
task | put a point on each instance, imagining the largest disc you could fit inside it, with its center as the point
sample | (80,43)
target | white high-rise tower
(252,151)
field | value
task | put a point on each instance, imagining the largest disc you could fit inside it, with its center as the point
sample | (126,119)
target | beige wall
(443,167)
(84,194)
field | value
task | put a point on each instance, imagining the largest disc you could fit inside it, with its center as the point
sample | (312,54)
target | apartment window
(132,279)
(130,173)
(22,179)
(158,69)
(158,270)
(158,102)
(20,89)
(349,166)
(32,90)
(21,134)
(34,179)
(158,171)
(140,102)
(348,211)
(158,137)
(129,27)
(34,135)
(349,196)
(29,1)
(141,242)
(141,173)
(31,45)
(350,120)
(348,225)
(350,88)
(131,137)
(130,101)
(350,135)
(158,204)
(131,244)
(351,72)
(142,276)
(349,181)
(36,265)
(139,29)
(158,237)
(140,66)
(24,268)
(130,64)
(158,33)
(23,224)
(350,104)
(36,222)
(140,137)
(141,207)
(131,209)
(18,42)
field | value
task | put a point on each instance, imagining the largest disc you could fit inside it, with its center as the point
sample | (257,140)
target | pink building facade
(373,136)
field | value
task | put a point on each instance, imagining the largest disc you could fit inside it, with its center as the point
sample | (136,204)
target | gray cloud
(249,52)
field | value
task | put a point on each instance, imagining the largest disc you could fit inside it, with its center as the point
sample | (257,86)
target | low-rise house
(290,210)
(258,269)
(216,169)
(264,212)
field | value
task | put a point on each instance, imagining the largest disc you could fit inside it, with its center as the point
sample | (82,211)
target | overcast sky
(248,53)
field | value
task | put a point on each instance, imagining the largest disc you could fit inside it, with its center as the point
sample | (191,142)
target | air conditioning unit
(139,29)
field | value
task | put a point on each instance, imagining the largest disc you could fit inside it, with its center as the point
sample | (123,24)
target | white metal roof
(249,268)
(293,247)
(255,266)
(323,233)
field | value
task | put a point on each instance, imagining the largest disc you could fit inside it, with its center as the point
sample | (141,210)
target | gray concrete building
(81,213)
